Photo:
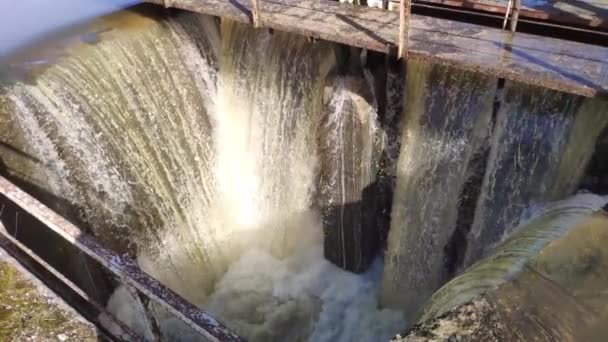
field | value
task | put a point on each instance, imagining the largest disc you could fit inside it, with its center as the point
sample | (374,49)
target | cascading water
(106,132)
(446,119)
(220,155)
(267,134)
(203,149)
(541,144)
(265,128)
(466,175)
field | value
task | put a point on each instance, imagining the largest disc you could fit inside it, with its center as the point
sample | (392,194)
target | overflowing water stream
(241,167)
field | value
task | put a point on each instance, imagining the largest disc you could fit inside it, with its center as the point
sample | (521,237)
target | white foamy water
(302,297)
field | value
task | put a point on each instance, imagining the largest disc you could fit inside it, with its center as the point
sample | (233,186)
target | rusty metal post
(255,13)
(404,23)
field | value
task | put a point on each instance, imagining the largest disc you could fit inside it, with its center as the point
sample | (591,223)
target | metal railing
(122,266)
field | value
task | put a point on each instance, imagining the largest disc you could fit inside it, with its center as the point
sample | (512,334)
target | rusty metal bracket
(122,266)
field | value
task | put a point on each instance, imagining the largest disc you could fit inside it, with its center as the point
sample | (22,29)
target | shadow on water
(596,175)
(566,74)
(370,33)
(584,6)
(355,232)
(15,150)
(242,8)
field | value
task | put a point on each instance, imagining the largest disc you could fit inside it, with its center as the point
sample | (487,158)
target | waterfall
(446,119)
(542,143)
(103,122)
(467,174)
(242,166)
(196,146)
(265,128)
(272,143)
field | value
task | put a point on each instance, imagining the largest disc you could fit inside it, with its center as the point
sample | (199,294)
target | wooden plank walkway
(592,13)
(552,63)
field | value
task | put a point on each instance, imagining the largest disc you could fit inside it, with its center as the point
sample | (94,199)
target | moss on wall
(28,313)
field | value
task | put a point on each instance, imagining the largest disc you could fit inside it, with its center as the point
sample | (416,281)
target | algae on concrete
(31,312)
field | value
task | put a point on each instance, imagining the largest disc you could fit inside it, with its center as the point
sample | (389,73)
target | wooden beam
(588,13)
(571,67)
(515,14)
(504,22)
(404,24)
(257,21)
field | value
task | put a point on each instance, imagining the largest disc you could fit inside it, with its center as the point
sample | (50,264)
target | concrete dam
(175,174)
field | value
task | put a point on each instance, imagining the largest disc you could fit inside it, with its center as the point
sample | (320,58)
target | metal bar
(255,14)
(118,329)
(122,266)
(404,23)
